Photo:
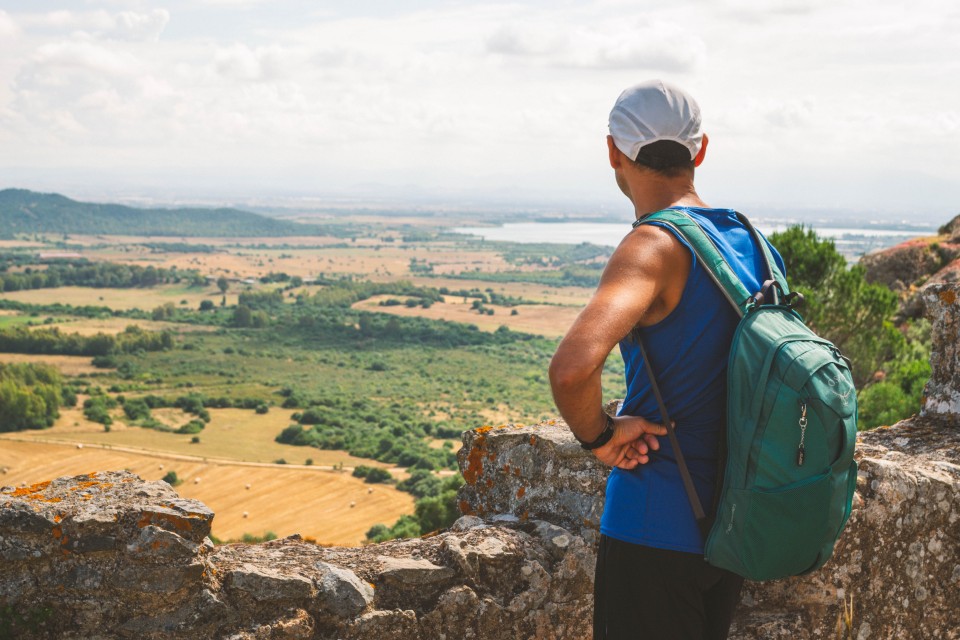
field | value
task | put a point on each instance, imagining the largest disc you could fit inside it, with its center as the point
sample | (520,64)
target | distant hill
(23,211)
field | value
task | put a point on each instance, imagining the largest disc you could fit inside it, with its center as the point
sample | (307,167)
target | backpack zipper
(801,452)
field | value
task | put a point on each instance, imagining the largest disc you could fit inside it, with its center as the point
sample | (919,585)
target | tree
(243,316)
(223,284)
(839,303)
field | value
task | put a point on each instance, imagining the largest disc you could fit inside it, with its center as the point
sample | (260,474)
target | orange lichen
(57,532)
(506,469)
(533,440)
(32,489)
(489,483)
(949,296)
(94,483)
(57,518)
(178,523)
(475,461)
(520,492)
(466,508)
(524,516)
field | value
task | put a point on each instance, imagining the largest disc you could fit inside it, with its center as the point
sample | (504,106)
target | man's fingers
(651,441)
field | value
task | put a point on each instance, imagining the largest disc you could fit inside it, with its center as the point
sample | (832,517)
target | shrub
(377,475)
(136,409)
(172,479)
(194,426)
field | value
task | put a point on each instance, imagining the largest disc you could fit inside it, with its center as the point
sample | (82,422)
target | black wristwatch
(601,439)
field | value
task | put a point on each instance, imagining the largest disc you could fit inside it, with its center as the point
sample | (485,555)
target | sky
(810,105)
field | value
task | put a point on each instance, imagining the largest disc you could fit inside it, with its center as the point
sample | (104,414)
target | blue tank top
(688,353)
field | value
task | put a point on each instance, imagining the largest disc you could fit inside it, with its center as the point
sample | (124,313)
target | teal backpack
(791,426)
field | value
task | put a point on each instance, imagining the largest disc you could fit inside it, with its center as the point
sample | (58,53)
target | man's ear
(703,151)
(614,153)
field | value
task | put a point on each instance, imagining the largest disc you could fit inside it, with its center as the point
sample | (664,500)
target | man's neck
(656,193)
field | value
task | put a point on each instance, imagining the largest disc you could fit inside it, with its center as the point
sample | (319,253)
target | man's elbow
(564,374)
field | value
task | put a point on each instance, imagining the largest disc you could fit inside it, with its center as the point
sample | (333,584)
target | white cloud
(241,62)
(8,28)
(57,57)
(234,3)
(650,47)
(124,25)
(130,25)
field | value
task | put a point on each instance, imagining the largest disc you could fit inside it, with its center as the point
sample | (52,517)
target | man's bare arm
(641,284)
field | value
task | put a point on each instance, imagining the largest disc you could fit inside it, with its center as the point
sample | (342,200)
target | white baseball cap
(653,111)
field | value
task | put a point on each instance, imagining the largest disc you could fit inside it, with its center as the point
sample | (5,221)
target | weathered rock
(910,265)
(533,472)
(951,229)
(904,264)
(268,584)
(942,393)
(151,581)
(342,592)
(411,583)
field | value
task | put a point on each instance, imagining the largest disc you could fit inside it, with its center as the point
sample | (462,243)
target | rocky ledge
(110,556)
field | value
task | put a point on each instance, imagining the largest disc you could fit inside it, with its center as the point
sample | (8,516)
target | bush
(194,426)
(136,409)
(95,410)
(378,475)
(249,538)
(172,479)
(262,409)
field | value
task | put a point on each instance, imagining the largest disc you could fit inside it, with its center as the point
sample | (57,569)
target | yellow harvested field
(113,326)
(545,320)
(577,296)
(13,244)
(213,242)
(331,507)
(232,435)
(68,365)
(123,299)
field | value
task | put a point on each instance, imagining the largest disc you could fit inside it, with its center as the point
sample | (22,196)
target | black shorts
(642,593)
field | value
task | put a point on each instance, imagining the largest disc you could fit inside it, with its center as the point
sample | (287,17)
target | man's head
(657,125)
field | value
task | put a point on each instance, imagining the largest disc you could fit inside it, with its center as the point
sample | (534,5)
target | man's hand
(633,439)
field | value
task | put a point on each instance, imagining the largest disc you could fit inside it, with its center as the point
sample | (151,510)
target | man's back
(688,351)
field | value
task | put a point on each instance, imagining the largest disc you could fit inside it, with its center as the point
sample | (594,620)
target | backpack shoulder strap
(717,266)
(773,271)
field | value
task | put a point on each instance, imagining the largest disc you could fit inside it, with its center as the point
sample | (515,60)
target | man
(652,581)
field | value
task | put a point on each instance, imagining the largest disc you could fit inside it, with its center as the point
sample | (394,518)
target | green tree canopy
(839,303)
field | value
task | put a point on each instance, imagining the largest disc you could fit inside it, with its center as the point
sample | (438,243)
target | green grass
(16,321)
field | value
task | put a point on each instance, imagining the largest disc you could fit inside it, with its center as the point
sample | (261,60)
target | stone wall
(898,560)
(942,394)
(110,556)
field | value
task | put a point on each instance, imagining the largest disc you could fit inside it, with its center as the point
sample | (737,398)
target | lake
(852,242)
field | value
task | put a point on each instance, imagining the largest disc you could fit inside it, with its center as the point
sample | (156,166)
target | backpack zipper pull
(801,453)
